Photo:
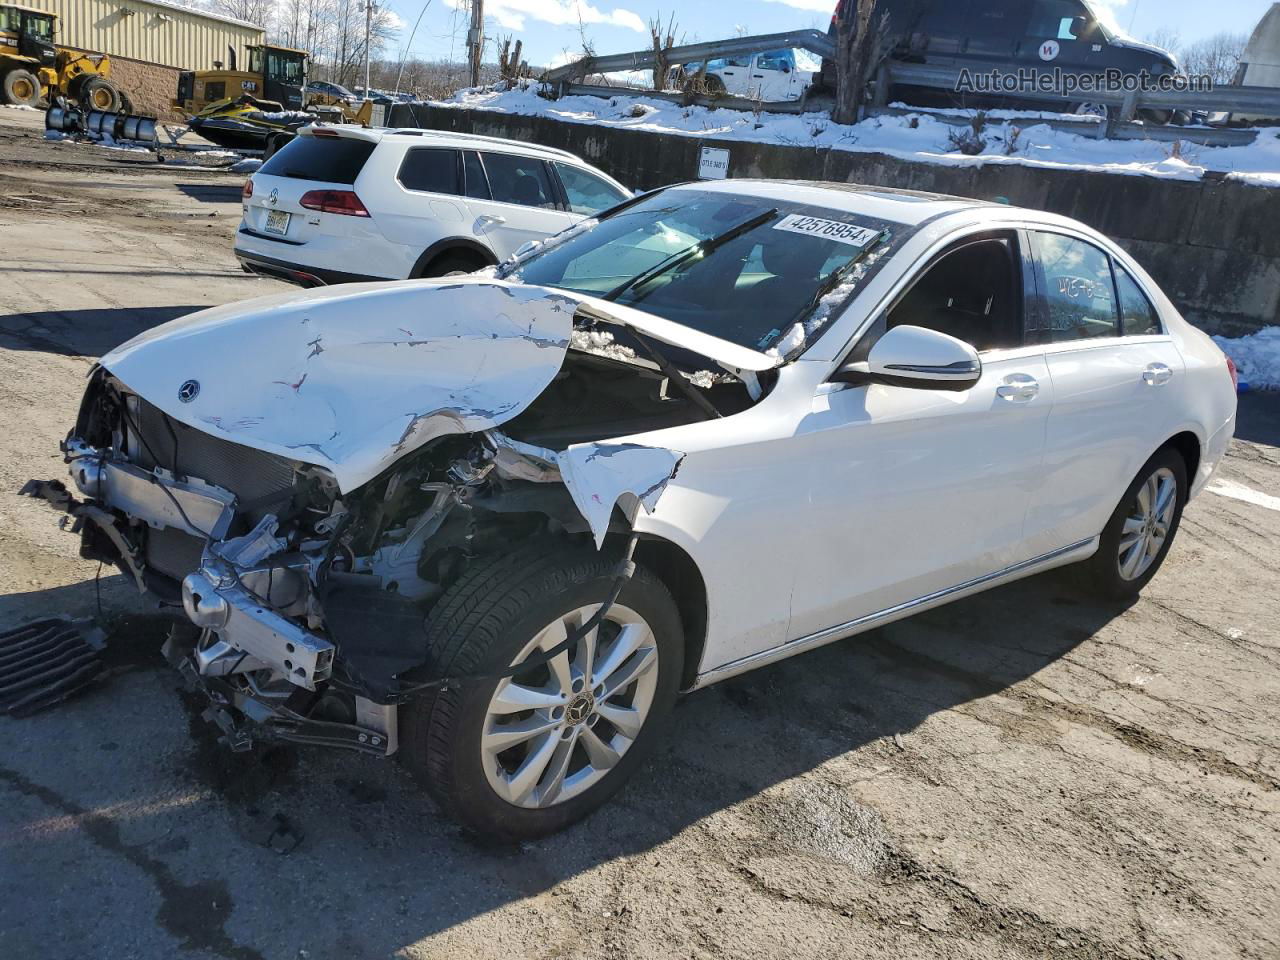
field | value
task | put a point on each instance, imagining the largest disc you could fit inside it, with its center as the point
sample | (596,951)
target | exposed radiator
(173,552)
(252,475)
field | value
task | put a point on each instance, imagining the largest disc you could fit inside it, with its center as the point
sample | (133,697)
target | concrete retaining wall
(1213,245)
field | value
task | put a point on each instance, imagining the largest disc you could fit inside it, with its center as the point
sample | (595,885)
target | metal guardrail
(803,105)
(814,41)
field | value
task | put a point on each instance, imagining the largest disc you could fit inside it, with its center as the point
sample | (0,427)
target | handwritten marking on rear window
(849,233)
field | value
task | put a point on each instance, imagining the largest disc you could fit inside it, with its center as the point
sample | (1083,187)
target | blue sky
(550,27)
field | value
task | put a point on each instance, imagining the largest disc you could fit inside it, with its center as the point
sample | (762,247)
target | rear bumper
(300,273)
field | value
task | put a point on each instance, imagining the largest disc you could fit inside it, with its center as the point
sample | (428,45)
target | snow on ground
(17,106)
(247,165)
(919,136)
(1257,357)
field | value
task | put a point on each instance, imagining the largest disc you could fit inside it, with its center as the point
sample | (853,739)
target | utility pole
(368,29)
(475,40)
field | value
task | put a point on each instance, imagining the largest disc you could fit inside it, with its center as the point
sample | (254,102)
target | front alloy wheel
(525,755)
(553,732)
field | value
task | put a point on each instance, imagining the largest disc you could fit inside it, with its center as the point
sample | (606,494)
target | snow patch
(1257,357)
(247,165)
(919,136)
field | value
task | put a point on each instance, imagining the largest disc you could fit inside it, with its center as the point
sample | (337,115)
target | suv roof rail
(481,138)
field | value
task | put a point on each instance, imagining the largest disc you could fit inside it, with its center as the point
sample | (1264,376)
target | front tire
(21,88)
(1137,538)
(100,94)
(522,757)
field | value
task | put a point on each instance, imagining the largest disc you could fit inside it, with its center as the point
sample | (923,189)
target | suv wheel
(451,264)
(1137,538)
(526,755)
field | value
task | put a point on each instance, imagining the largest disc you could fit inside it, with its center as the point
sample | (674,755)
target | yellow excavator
(33,66)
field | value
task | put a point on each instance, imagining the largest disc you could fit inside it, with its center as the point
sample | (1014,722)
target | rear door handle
(1156,375)
(487,219)
(1019,388)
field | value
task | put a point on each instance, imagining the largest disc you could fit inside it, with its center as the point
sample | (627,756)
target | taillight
(343,202)
(1235,376)
(247,192)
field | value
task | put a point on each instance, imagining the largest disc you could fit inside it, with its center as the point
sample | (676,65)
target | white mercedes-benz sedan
(496,523)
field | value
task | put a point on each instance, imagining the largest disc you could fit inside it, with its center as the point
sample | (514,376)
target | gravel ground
(1023,774)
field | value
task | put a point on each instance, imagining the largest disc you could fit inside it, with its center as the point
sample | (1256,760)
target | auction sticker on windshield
(848,233)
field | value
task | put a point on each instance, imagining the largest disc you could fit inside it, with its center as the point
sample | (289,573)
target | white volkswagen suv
(341,204)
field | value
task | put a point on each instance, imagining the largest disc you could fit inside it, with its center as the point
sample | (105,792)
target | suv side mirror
(909,356)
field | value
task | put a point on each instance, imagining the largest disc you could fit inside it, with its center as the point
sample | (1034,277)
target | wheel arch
(451,245)
(678,571)
(1189,446)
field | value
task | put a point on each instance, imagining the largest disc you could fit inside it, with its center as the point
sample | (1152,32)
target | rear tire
(1137,538)
(21,88)
(500,613)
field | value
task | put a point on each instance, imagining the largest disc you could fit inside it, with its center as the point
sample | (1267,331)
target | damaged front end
(304,526)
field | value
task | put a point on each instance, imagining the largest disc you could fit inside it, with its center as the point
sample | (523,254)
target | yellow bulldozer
(275,77)
(259,108)
(34,67)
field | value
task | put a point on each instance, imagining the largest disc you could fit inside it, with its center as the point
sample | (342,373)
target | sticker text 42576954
(849,233)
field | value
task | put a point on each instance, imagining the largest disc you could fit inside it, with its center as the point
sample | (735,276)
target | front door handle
(1019,388)
(1156,375)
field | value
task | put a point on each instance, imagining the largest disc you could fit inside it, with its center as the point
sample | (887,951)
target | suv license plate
(277,222)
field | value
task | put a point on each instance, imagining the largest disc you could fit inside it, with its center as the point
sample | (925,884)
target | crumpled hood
(352,378)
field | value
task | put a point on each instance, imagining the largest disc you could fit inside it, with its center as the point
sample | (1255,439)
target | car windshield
(741,268)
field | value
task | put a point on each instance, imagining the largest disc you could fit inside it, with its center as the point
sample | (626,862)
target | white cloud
(818,6)
(512,14)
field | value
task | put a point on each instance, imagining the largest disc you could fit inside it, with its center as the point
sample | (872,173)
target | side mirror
(527,247)
(915,357)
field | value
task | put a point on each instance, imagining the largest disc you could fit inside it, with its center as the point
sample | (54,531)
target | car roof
(415,135)
(910,207)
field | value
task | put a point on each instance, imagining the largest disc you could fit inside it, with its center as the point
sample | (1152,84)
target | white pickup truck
(772,75)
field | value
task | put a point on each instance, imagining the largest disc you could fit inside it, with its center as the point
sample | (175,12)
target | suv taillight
(343,202)
(1235,376)
(247,192)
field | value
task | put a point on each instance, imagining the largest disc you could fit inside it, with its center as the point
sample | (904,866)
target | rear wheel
(527,755)
(98,93)
(21,88)
(1138,536)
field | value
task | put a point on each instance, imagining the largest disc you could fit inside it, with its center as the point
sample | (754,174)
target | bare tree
(260,12)
(858,34)
(1217,56)
(510,66)
(663,41)
(1166,38)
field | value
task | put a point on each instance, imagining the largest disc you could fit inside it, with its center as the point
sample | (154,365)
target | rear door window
(1077,292)
(1137,315)
(587,193)
(430,170)
(476,184)
(521,180)
(327,159)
